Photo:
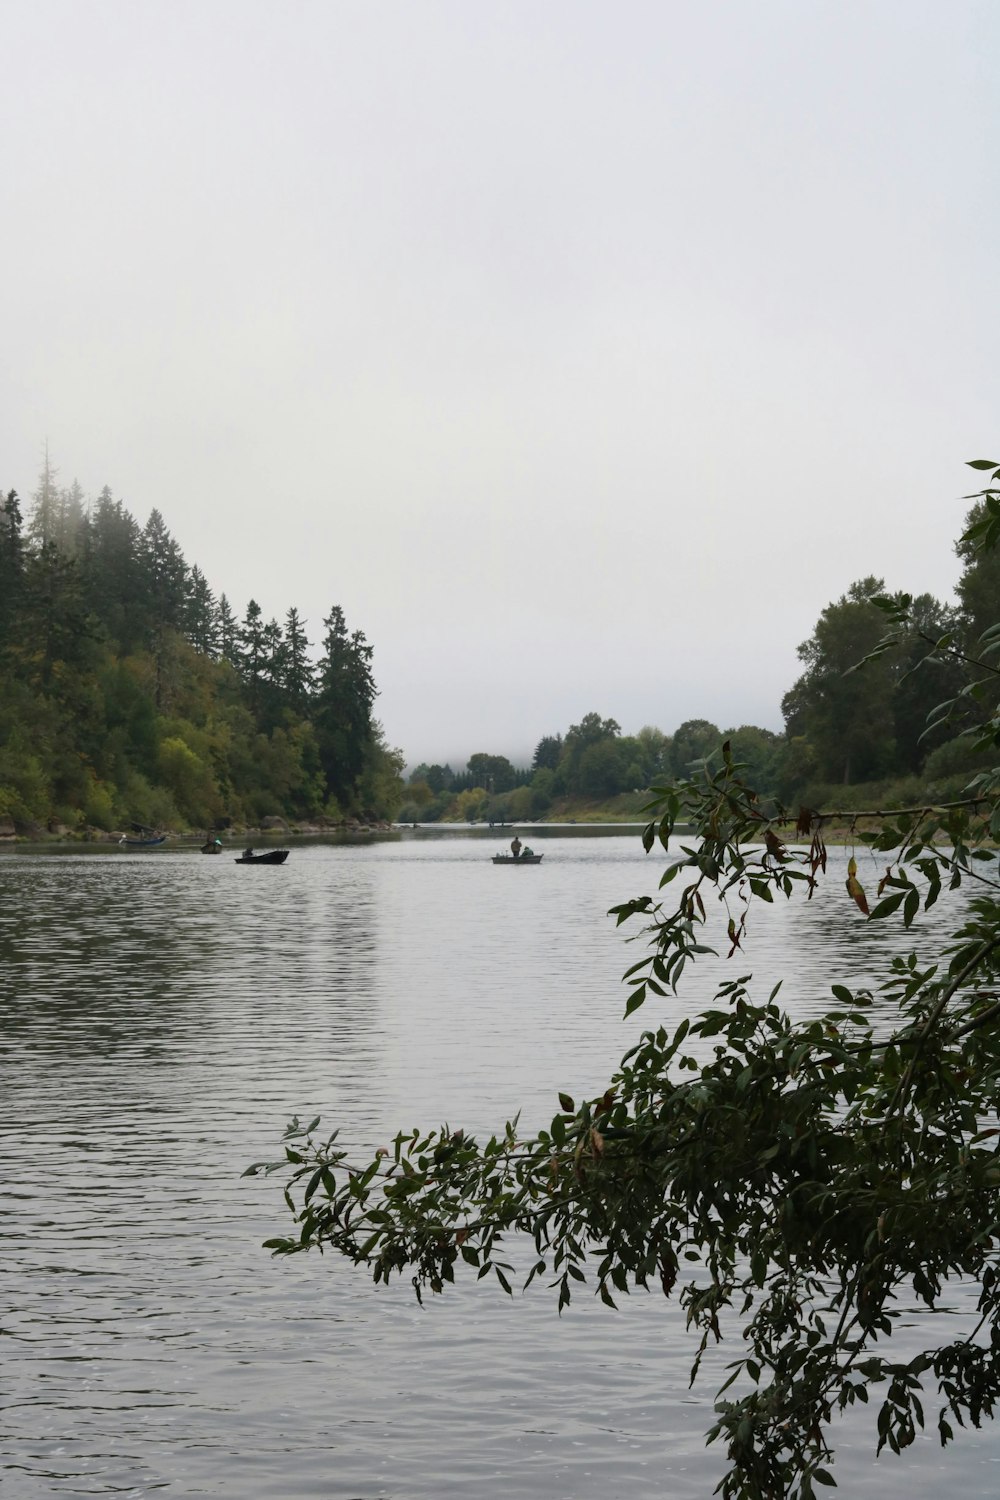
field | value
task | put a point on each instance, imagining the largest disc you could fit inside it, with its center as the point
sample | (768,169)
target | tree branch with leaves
(787,1181)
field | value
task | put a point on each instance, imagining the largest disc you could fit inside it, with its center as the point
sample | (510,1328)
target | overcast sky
(582,352)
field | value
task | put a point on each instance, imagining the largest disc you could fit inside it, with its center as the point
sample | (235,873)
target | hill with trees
(131,694)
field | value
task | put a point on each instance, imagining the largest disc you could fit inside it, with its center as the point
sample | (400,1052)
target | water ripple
(162,1015)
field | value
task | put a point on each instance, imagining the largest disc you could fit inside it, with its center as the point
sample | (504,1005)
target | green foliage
(542,790)
(694,741)
(99,808)
(547,752)
(847,718)
(494,772)
(189,781)
(127,693)
(469,806)
(788,1182)
(865,725)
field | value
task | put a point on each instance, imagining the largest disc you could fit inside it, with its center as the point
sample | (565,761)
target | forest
(130,694)
(852,739)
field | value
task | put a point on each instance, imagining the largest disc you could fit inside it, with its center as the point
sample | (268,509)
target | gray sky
(582,352)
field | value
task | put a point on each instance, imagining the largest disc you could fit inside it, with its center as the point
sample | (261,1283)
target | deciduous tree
(786,1180)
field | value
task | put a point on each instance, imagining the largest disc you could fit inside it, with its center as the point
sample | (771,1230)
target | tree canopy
(129,692)
(791,1178)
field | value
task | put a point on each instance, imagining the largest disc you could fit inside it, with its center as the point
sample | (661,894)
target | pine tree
(343,712)
(229,633)
(165,575)
(70,519)
(201,619)
(274,654)
(54,623)
(165,572)
(253,651)
(299,673)
(44,524)
(112,575)
(11,562)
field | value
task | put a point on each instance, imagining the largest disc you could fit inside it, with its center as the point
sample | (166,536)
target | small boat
(213,846)
(126,843)
(527,858)
(268,857)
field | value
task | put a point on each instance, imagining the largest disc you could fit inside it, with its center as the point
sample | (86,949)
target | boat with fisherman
(519,854)
(141,838)
(265,857)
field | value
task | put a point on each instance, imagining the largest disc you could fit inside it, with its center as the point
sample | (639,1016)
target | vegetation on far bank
(131,694)
(852,739)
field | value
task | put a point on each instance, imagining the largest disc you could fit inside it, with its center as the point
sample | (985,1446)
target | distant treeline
(131,693)
(851,738)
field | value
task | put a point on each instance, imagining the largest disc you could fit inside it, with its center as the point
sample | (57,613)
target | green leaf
(636,998)
(887,906)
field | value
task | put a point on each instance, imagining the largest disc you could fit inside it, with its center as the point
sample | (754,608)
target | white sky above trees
(582,352)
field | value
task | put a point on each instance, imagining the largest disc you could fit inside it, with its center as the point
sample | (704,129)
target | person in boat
(515,846)
(248,853)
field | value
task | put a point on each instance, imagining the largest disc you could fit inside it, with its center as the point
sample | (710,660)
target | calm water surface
(163,1014)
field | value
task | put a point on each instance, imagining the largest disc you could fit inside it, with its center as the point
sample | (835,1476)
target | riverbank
(270,828)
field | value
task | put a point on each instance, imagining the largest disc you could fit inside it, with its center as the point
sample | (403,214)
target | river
(163,1014)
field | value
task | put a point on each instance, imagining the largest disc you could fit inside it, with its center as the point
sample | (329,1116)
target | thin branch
(953,651)
(937,1010)
(983,1019)
(852,814)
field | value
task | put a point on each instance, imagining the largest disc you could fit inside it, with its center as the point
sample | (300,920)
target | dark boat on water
(213,846)
(268,857)
(143,838)
(518,859)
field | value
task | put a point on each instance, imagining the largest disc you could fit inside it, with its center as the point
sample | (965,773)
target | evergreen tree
(228,633)
(70,520)
(54,625)
(112,574)
(274,654)
(201,619)
(46,505)
(253,652)
(299,673)
(273,673)
(343,711)
(11,562)
(165,575)
(547,752)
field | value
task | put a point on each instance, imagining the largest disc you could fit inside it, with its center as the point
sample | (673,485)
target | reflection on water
(163,1014)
